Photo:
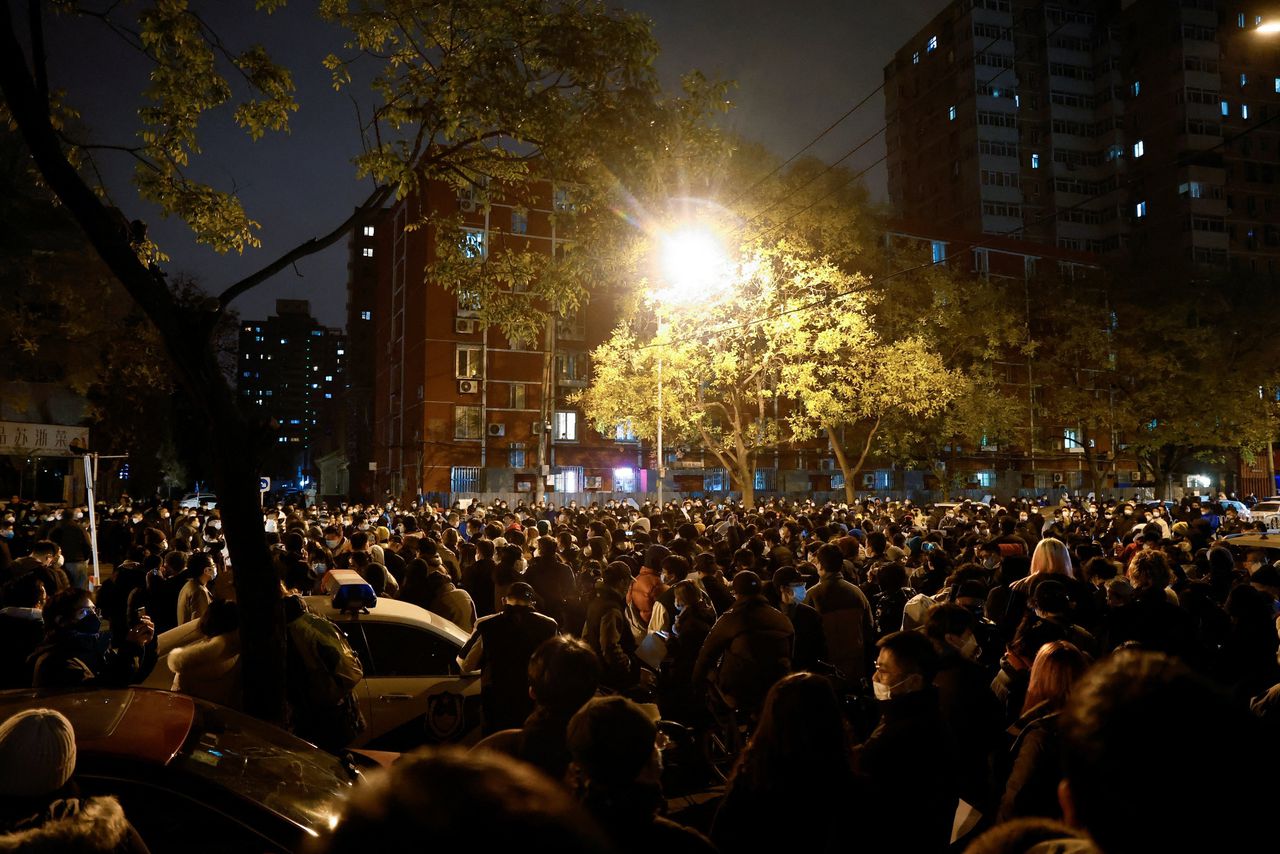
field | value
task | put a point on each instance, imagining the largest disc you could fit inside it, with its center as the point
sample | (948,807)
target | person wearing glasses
(77,649)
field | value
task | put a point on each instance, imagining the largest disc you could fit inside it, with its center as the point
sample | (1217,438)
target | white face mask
(969,649)
(216,524)
(521,565)
(882,691)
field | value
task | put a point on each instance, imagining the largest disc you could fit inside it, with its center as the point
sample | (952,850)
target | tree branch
(302,250)
(38,59)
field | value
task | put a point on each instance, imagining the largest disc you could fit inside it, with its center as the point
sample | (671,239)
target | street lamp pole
(661,468)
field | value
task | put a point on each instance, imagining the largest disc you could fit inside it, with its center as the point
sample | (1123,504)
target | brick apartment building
(458,408)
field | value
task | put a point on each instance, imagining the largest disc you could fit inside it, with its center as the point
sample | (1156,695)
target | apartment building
(293,369)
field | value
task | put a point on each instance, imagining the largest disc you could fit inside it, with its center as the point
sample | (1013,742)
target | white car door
(416,694)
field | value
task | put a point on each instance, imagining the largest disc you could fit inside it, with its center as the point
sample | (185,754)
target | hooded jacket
(209,669)
(753,641)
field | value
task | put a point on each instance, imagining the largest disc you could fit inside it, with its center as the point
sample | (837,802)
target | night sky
(797,65)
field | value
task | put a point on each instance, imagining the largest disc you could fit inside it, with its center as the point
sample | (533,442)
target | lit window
(284,340)
(468,361)
(1017,101)
(915,58)
(468,422)
(515,456)
(1257,20)
(1226,108)
(365,315)
(1136,88)
(343,352)
(1244,111)
(624,480)
(328,396)
(1035,161)
(986,479)
(368,252)
(1140,209)
(1070,438)
(1244,80)
(933,43)
(566,427)
(368,231)
(1138,149)
(1240,20)
(328,378)
(939,251)
(1278,84)
(623,432)
(473,243)
(519,223)
(951,113)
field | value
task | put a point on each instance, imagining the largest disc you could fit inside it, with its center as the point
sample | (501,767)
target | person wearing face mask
(70,537)
(77,652)
(195,597)
(964,694)
(909,761)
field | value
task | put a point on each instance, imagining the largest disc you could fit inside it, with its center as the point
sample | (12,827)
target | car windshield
(1266,507)
(265,765)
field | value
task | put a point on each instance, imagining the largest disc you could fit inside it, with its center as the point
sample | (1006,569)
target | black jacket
(1032,785)
(21,631)
(608,632)
(509,639)
(754,642)
(67,660)
(909,763)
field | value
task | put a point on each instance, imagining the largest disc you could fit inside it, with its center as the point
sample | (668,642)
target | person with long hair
(1032,785)
(793,786)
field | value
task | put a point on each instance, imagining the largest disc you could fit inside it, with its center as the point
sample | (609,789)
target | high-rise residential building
(357,405)
(293,368)
(1138,131)
(1006,117)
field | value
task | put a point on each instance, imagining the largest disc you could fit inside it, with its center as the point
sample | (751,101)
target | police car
(413,692)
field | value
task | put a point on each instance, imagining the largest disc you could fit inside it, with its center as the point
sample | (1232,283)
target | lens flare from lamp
(694,265)
(1270,28)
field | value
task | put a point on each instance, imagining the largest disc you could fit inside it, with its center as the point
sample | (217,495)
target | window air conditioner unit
(593,482)
(869,479)
(464,326)
(1057,477)
(497,429)
(468,386)
(467,204)
(536,427)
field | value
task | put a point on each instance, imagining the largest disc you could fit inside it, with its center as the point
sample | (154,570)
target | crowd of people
(1020,674)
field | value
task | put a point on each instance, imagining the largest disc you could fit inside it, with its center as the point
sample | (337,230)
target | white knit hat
(37,753)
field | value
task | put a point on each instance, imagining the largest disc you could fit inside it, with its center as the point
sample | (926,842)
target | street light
(1270,28)
(695,266)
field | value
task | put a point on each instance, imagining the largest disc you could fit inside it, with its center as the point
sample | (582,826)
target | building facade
(293,369)
(459,408)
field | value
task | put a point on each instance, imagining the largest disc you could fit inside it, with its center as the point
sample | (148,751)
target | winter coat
(193,601)
(73,826)
(209,669)
(608,632)
(455,605)
(754,643)
(553,582)
(21,631)
(975,718)
(477,580)
(846,624)
(910,766)
(644,592)
(1032,786)
(67,660)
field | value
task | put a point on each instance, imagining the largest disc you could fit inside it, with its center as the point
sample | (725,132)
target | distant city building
(293,368)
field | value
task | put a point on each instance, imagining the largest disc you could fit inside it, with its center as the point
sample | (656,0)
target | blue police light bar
(348,589)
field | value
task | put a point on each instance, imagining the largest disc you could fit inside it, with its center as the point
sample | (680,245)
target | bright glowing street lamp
(695,265)
(1270,28)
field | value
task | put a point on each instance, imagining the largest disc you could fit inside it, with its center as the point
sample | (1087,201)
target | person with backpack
(323,671)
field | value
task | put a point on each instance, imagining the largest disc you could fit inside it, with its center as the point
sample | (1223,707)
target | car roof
(1269,540)
(128,723)
(390,611)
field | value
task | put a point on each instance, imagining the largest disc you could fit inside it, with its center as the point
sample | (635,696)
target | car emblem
(444,715)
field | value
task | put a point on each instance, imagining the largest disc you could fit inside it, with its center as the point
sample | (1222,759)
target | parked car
(413,692)
(193,776)
(1242,510)
(1267,512)
(199,499)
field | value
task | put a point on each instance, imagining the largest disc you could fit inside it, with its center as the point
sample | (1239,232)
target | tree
(724,360)
(460,89)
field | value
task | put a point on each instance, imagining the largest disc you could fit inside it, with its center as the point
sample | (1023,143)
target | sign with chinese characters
(20,439)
